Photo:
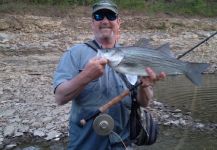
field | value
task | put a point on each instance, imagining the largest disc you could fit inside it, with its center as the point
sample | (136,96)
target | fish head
(114,56)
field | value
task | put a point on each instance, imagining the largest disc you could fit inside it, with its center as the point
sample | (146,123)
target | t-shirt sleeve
(67,68)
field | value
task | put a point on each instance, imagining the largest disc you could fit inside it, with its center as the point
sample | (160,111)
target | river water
(201,102)
(179,92)
(180,139)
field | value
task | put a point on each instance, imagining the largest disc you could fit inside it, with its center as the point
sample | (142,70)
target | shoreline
(165,117)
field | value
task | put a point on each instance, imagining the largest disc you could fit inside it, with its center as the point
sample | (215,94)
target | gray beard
(105,38)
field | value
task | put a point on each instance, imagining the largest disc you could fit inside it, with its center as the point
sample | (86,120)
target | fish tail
(194,71)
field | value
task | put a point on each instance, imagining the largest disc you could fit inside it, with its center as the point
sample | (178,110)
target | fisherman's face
(106,25)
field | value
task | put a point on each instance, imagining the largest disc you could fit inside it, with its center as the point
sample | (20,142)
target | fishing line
(120,139)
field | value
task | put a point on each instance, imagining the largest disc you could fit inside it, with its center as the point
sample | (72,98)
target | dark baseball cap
(105,4)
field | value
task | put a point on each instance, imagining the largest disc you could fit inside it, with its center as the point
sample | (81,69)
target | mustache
(104,26)
(107,37)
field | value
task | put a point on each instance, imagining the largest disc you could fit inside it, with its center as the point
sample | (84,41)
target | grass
(182,7)
(206,8)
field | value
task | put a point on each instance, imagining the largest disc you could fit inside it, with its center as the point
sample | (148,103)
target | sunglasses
(99,16)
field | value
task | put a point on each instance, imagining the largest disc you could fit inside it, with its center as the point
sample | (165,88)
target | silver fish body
(133,60)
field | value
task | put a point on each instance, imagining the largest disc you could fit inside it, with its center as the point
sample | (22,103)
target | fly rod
(205,40)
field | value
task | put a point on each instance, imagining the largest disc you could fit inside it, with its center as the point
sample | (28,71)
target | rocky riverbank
(30,48)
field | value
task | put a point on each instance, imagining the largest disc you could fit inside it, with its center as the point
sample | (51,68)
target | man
(89,83)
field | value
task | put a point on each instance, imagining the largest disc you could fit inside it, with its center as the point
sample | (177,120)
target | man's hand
(145,90)
(95,68)
(152,77)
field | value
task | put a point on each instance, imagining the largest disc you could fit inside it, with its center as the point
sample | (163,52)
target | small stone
(57,139)
(9,130)
(177,115)
(25,121)
(31,148)
(52,135)
(23,128)
(176,111)
(39,133)
(15,119)
(171,122)
(46,119)
(9,113)
(1,91)
(165,117)
(157,103)
(17,134)
(10,146)
(182,122)
(1,139)
(199,125)
(3,25)
(176,122)
(49,126)
(166,123)
(36,124)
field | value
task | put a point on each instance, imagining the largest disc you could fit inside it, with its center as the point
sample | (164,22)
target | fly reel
(103,124)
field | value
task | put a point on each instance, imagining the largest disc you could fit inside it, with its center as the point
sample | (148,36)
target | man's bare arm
(145,91)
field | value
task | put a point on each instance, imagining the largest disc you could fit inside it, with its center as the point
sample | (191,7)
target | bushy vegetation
(183,7)
(188,7)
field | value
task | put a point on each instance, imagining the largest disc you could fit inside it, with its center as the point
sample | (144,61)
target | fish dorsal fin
(144,43)
(165,48)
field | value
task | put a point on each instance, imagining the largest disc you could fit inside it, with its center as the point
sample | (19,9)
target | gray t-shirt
(94,95)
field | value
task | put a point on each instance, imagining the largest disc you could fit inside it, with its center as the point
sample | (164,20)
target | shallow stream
(201,102)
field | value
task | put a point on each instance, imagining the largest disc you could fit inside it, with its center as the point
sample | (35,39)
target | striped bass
(134,59)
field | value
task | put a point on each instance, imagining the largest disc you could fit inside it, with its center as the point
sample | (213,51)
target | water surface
(201,101)
(180,139)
